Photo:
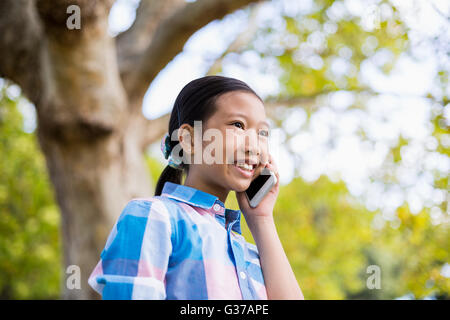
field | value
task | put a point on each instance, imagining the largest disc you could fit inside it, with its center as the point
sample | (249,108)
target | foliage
(322,50)
(330,240)
(30,247)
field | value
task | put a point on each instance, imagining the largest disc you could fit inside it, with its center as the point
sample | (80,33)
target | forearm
(279,278)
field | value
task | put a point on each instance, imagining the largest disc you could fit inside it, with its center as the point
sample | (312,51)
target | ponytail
(168,174)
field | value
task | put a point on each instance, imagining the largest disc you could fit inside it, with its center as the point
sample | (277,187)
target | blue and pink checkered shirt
(183,244)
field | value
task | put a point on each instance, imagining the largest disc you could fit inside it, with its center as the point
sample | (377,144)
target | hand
(264,210)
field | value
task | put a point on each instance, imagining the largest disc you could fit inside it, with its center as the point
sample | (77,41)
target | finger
(273,164)
(264,158)
(273,168)
(269,158)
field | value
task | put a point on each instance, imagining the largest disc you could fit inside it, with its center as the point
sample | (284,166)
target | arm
(279,278)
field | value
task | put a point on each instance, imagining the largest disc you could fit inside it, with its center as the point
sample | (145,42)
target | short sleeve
(135,259)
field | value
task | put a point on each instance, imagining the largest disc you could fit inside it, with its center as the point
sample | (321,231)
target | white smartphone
(260,186)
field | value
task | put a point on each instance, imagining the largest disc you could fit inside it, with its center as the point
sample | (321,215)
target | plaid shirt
(183,244)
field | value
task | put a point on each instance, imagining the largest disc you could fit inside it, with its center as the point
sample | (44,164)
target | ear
(185,138)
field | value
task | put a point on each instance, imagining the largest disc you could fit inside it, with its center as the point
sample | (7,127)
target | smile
(245,172)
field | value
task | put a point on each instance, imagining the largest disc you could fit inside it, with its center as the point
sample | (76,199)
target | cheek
(264,149)
(229,150)
(220,172)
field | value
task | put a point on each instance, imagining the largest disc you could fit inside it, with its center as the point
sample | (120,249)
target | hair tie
(165,145)
(167,152)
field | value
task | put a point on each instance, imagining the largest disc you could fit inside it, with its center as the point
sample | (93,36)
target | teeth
(245,166)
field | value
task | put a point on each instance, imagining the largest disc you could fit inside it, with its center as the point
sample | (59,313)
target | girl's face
(241,120)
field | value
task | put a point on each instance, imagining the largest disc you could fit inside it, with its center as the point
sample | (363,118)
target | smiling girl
(183,243)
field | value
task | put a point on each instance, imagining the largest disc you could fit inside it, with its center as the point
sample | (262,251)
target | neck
(196,182)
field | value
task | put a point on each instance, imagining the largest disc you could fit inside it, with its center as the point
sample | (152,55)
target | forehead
(238,103)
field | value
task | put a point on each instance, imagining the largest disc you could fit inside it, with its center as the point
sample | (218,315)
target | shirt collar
(204,200)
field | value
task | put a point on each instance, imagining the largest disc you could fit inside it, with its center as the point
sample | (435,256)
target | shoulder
(151,207)
(158,207)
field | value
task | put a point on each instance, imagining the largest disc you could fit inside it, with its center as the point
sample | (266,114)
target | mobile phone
(260,186)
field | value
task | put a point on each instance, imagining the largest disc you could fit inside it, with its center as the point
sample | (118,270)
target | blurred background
(357,95)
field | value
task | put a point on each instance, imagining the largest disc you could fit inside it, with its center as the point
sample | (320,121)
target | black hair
(196,102)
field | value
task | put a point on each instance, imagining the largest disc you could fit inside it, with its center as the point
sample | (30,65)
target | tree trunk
(93,181)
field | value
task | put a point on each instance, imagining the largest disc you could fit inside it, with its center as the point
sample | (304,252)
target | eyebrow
(243,115)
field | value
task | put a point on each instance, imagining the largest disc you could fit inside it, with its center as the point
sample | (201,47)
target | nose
(252,145)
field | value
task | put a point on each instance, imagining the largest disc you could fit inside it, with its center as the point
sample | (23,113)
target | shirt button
(216,207)
(242,274)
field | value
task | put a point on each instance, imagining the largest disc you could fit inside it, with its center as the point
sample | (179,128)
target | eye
(265,133)
(240,123)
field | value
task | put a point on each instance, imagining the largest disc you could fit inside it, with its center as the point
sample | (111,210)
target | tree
(87,88)
(332,240)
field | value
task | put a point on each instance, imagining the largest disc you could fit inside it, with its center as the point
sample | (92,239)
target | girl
(183,243)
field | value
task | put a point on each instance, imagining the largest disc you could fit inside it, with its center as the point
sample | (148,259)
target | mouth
(244,169)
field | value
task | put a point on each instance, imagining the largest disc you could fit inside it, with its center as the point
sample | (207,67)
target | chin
(240,186)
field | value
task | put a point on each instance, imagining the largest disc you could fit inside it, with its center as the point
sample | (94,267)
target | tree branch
(308,102)
(152,130)
(170,37)
(440,12)
(132,42)
(240,41)
(21,46)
